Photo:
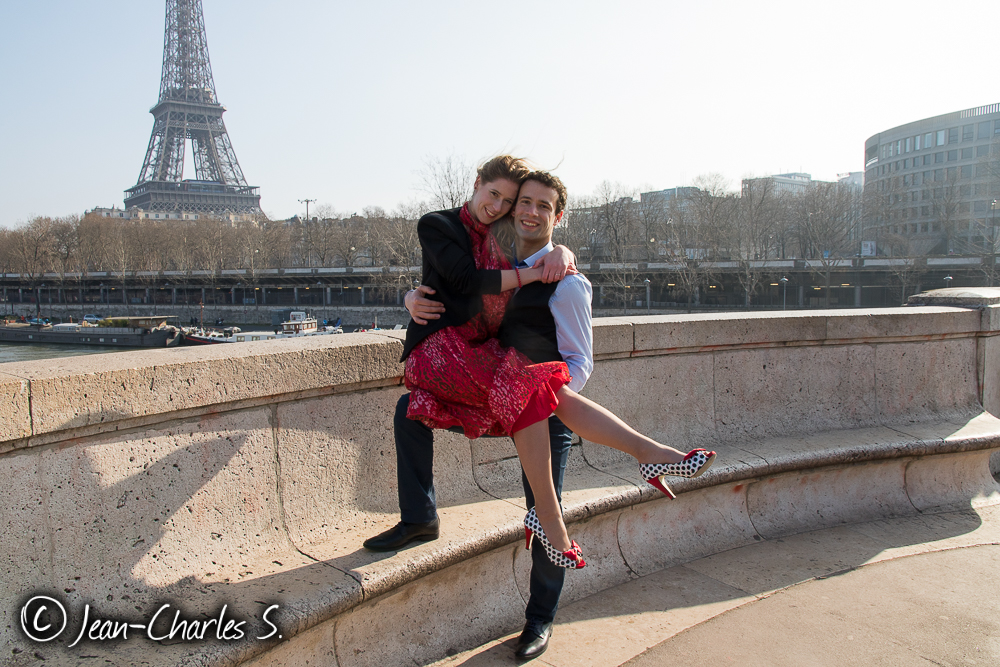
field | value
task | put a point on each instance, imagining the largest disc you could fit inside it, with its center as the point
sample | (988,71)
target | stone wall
(248,474)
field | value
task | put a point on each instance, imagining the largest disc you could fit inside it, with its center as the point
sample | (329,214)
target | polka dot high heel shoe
(694,464)
(571,559)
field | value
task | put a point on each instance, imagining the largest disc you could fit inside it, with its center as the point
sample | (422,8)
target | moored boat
(152,331)
(298,325)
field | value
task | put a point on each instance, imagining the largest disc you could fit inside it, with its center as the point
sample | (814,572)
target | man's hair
(508,167)
(550,181)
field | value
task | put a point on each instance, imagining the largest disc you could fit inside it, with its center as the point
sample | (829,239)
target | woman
(459,374)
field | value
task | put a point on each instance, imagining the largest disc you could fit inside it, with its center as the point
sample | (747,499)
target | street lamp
(947,281)
(784,291)
(993,241)
(993,217)
(306,202)
(647,295)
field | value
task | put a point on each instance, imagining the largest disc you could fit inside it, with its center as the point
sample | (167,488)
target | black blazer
(450,269)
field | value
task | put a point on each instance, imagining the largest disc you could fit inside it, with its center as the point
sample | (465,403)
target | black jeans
(415,478)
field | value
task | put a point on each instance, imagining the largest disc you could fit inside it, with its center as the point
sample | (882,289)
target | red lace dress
(462,376)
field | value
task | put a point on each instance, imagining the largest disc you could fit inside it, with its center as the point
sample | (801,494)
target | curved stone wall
(248,475)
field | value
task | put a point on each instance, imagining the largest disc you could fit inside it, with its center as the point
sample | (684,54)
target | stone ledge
(333,593)
(110,391)
(616,337)
(15,411)
(818,485)
(969,297)
(266,486)
(80,396)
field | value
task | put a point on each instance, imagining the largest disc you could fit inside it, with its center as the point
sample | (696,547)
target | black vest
(528,325)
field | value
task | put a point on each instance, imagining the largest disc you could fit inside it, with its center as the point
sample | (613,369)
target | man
(546,322)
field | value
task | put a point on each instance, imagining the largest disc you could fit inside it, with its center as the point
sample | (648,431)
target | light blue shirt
(570,306)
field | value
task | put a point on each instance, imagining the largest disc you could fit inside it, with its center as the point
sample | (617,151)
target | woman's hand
(421,308)
(557,264)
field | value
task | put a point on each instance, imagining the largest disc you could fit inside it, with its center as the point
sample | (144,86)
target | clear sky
(343,102)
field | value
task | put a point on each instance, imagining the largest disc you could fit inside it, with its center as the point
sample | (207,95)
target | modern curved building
(931,186)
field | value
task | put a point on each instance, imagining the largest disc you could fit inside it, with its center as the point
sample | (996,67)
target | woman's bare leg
(592,422)
(532,443)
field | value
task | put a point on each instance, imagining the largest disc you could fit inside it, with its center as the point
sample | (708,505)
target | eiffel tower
(189,110)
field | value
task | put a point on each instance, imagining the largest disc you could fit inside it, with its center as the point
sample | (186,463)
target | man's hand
(421,308)
(557,264)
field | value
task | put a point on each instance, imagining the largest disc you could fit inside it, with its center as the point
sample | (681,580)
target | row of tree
(94,243)
(81,245)
(695,228)
(693,231)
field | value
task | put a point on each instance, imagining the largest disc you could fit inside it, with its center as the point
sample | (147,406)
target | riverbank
(243,316)
(351,317)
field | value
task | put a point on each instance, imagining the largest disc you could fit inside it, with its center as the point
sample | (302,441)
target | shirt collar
(546,249)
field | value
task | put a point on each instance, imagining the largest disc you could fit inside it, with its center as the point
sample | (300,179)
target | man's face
(535,214)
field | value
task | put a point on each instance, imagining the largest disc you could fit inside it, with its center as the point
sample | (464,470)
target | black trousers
(415,478)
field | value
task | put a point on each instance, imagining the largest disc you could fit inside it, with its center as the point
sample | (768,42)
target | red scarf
(486,253)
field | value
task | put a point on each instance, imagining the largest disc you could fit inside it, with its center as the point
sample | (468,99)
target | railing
(980,111)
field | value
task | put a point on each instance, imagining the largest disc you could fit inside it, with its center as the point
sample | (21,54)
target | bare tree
(32,249)
(904,267)
(945,204)
(348,239)
(698,226)
(652,217)
(6,250)
(447,181)
(262,244)
(120,251)
(65,243)
(93,253)
(614,216)
(578,229)
(750,233)
(828,214)
(318,237)
(375,225)
(711,210)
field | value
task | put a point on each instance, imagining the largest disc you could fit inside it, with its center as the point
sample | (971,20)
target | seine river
(32,351)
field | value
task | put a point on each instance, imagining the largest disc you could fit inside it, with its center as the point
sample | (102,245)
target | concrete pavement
(911,591)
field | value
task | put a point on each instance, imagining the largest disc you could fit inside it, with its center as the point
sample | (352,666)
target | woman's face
(492,201)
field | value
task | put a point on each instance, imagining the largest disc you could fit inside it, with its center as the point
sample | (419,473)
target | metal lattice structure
(189,110)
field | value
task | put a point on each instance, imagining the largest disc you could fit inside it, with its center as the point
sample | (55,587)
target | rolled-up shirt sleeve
(570,306)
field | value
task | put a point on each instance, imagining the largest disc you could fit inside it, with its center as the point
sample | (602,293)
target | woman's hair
(508,167)
(503,232)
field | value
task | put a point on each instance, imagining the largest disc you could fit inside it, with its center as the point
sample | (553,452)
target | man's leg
(414,466)
(415,483)
(546,578)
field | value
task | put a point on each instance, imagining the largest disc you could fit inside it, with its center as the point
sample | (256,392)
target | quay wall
(248,475)
(351,316)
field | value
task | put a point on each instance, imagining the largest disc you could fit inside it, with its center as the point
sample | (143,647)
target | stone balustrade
(248,475)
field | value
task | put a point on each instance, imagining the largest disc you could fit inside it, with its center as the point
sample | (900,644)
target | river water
(33,351)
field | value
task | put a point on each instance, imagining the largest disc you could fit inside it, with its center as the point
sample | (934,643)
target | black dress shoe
(402,534)
(534,640)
